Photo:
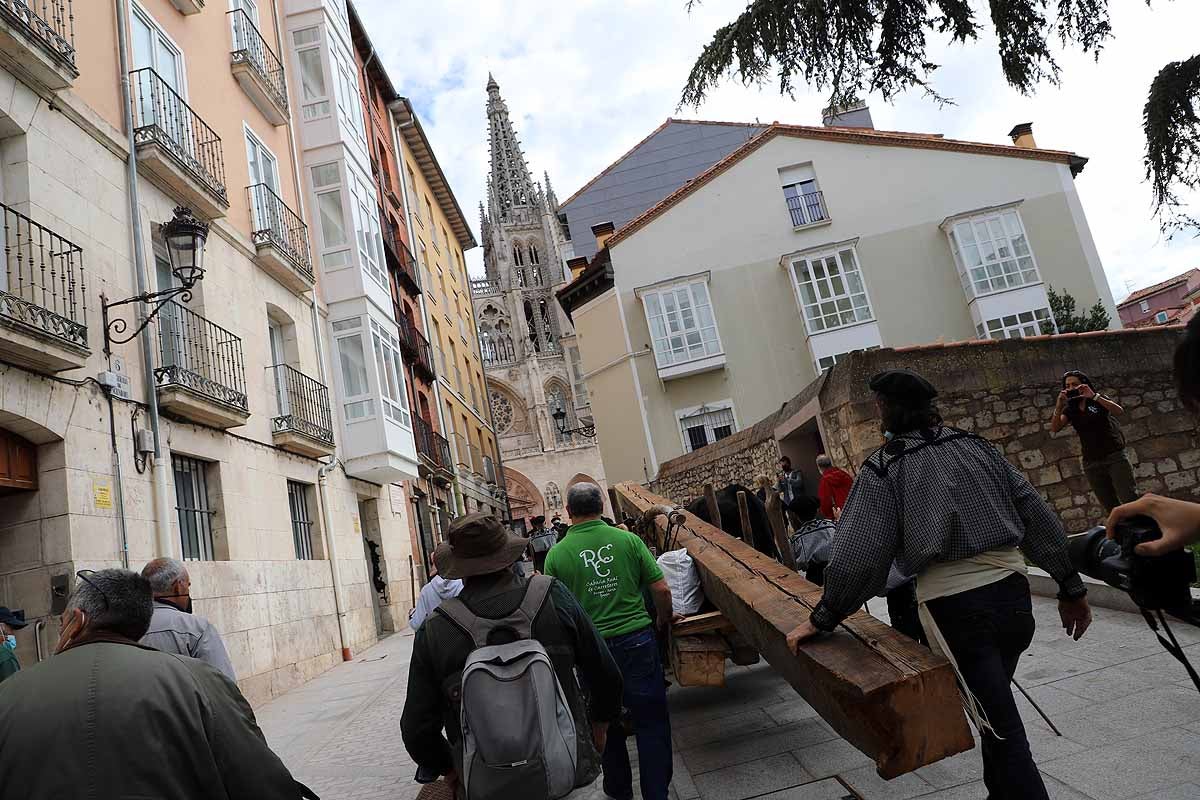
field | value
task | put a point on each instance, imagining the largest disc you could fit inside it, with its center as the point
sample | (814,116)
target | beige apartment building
(283,417)
(726,297)
(440,236)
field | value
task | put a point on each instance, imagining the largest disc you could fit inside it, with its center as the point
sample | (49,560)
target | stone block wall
(1003,391)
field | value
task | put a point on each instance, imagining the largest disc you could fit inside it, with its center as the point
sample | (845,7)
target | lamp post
(185,237)
(560,421)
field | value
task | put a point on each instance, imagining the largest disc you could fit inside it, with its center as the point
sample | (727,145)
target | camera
(1153,583)
(1072,394)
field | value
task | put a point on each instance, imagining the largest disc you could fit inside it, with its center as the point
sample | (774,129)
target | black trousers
(987,629)
(902,611)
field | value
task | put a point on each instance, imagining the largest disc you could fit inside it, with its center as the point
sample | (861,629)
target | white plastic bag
(680,572)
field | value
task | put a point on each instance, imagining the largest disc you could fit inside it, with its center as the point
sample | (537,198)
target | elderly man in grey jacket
(107,717)
(174,628)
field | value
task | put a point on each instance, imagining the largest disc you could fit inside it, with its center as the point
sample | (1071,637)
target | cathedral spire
(511,184)
(551,199)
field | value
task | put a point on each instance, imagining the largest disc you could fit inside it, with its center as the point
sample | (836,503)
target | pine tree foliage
(849,48)
(1062,308)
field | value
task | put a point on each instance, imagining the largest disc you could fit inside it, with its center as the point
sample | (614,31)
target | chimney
(602,231)
(577,265)
(1022,135)
(854,114)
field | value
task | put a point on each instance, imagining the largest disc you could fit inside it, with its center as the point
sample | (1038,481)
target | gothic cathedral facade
(534,380)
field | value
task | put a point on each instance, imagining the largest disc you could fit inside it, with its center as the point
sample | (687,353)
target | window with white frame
(366,230)
(391,375)
(1144,306)
(314,93)
(825,362)
(706,425)
(349,101)
(357,402)
(1017,326)
(335,244)
(1160,317)
(682,325)
(992,252)
(830,289)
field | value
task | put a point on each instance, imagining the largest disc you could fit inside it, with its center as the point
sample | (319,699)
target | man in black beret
(944,505)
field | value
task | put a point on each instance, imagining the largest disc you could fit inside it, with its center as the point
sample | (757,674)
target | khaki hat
(477,544)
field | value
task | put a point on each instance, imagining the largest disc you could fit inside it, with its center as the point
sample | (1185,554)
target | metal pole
(331,553)
(164,542)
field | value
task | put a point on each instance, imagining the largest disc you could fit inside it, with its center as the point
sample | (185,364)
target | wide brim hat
(477,544)
(14,619)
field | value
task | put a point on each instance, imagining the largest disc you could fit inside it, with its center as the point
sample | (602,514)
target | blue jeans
(987,629)
(645,695)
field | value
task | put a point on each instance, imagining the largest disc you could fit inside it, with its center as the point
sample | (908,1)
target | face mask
(10,642)
(888,435)
(184,607)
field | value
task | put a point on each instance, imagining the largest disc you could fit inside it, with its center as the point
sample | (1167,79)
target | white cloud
(586,80)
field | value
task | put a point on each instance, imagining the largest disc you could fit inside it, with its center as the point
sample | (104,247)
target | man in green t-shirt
(607,569)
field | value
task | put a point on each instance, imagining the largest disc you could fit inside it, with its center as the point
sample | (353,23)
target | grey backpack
(518,733)
(542,541)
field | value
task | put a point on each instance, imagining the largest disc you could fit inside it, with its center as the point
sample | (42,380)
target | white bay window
(830,289)
(991,251)
(357,402)
(1035,322)
(391,375)
(683,329)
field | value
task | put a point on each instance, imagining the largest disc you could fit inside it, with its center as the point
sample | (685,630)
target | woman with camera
(1094,418)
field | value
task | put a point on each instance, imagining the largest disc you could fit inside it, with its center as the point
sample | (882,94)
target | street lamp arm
(114,329)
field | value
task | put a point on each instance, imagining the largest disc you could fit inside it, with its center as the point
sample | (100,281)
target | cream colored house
(271,477)
(727,297)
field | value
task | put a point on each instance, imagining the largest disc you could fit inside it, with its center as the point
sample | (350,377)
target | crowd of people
(533,680)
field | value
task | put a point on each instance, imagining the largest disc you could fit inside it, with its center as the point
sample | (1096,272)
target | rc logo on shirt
(595,559)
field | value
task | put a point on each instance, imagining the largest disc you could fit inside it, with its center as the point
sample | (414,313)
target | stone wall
(1003,391)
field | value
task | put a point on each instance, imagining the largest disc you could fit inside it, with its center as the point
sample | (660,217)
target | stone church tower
(531,364)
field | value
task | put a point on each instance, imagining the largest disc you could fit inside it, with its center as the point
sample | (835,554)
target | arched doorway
(524,499)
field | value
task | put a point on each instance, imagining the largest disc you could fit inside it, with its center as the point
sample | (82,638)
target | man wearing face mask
(174,628)
(9,622)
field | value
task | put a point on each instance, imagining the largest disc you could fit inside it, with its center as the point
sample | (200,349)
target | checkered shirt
(932,496)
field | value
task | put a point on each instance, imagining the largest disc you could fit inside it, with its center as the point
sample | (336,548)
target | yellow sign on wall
(357,526)
(102,494)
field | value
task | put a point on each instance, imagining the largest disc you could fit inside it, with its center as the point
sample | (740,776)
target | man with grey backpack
(494,698)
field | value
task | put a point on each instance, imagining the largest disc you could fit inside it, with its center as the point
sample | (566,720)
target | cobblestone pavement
(1129,715)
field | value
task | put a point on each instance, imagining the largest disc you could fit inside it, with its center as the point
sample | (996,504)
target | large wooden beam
(890,697)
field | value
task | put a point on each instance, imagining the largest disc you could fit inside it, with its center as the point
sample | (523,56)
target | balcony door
(173,344)
(278,366)
(159,103)
(242,37)
(264,170)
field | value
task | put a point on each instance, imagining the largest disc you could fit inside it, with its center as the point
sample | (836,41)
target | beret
(903,384)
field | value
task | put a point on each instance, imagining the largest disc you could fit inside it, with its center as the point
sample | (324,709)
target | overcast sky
(586,80)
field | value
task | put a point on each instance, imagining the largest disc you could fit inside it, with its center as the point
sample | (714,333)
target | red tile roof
(1160,286)
(867,136)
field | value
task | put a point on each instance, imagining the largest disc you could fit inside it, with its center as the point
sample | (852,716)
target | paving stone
(867,783)
(832,757)
(752,778)
(976,790)
(1184,791)
(731,727)
(962,768)
(827,789)
(790,711)
(1131,767)
(778,740)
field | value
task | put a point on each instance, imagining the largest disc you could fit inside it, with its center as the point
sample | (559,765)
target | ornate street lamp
(560,421)
(185,237)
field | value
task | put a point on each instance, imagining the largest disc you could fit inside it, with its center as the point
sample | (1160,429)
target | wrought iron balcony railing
(161,117)
(249,47)
(416,346)
(276,224)
(201,357)
(481,287)
(432,445)
(401,258)
(303,405)
(41,286)
(807,208)
(49,23)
